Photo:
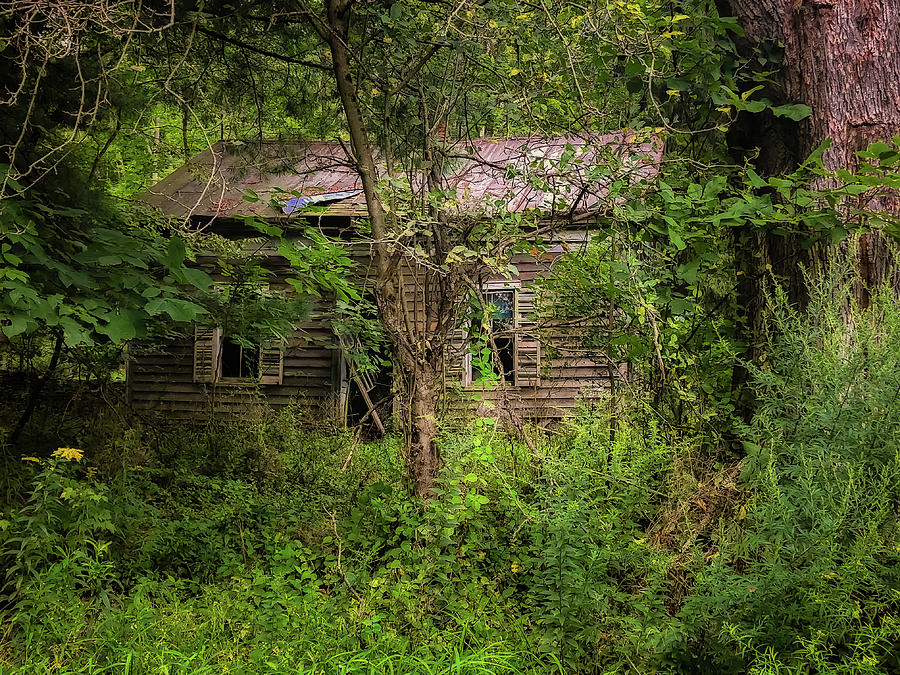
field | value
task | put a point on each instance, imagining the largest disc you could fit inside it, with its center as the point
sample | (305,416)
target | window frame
(212,374)
(485,288)
(247,379)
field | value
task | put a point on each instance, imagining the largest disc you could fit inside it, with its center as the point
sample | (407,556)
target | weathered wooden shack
(544,375)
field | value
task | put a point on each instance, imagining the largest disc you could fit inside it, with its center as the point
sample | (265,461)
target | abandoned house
(540,377)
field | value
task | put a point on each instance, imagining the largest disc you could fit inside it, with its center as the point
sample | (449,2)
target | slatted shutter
(457,369)
(528,346)
(271,365)
(207,349)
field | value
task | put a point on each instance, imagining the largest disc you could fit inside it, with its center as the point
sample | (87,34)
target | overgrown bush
(597,547)
(807,579)
(55,548)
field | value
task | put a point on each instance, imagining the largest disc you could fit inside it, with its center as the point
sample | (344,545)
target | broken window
(500,320)
(240,359)
(500,342)
(219,358)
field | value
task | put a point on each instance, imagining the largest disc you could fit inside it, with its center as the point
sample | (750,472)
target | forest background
(733,509)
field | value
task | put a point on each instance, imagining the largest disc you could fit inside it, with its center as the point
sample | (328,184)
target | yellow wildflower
(514,567)
(69,453)
(31,459)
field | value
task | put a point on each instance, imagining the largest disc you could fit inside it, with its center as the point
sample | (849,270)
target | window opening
(501,304)
(239,360)
(367,375)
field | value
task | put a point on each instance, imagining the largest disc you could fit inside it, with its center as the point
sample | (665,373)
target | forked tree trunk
(418,371)
(842,59)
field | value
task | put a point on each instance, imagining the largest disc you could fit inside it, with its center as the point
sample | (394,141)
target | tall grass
(261,548)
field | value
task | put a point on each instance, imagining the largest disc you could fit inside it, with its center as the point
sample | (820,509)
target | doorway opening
(370,400)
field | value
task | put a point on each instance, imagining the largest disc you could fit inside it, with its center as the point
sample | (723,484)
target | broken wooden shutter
(528,346)
(457,359)
(207,349)
(271,365)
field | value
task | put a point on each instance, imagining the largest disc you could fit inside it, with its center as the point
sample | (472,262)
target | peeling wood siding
(162,379)
(566,380)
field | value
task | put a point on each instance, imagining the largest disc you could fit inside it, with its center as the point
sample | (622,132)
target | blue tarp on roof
(297,203)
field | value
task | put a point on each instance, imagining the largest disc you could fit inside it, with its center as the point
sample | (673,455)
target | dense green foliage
(675,528)
(260,547)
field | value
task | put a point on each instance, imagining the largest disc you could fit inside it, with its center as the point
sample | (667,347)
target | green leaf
(714,187)
(676,239)
(751,106)
(176,252)
(796,112)
(755,179)
(678,84)
(179,310)
(837,234)
(197,278)
(74,332)
(682,305)
(18,324)
(689,271)
(695,192)
(119,329)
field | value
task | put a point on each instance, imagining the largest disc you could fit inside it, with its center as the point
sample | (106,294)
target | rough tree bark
(842,59)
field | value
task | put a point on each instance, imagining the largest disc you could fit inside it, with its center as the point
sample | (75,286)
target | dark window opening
(370,399)
(239,361)
(506,356)
(369,395)
(500,306)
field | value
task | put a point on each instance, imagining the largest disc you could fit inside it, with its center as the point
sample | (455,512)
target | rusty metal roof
(559,175)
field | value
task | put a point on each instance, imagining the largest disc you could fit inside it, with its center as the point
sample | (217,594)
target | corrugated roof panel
(521,173)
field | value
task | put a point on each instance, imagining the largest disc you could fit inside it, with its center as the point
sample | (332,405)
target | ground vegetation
(731,506)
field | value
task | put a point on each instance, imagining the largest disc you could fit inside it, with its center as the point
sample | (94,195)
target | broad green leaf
(796,111)
(119,329)
(676,239)
(755,179)
(689,271)
(196,277)
(175,252)
(18,324)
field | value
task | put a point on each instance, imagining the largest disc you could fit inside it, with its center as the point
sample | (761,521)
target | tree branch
(259,50)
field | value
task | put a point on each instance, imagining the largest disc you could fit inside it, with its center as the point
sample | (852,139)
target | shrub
(810,580)
(55,548)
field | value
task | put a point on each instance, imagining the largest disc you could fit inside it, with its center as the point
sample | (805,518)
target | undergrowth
(267,548)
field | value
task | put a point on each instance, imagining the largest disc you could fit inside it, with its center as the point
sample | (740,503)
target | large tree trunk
(841,58)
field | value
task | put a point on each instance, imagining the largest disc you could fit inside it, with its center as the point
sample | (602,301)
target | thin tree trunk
(417,364)
(35,394)
(424,458)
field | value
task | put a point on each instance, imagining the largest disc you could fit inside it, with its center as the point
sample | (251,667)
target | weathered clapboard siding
(163,378)
(565,379)
(564,384)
